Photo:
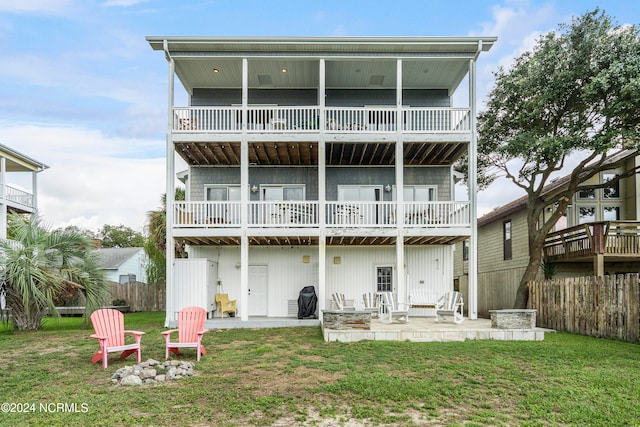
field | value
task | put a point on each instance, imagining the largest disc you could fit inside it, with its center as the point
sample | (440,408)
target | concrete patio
(419,329)
(425,329)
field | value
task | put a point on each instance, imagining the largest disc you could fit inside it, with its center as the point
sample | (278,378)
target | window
(365,193)
(223,193)
(589,194)
(612,191)
(127,278)
(384,279)
(419,193)
(506,232)
(220,213)
(611,213)
(586,214)
(465,250)
(282,192)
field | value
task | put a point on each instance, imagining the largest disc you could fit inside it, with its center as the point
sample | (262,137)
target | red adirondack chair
(108,325)
(190,331)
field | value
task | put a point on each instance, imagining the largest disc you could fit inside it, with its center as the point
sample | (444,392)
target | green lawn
(290,376)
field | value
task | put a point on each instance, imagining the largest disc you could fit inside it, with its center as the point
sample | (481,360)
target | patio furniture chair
(370,300)
(450,305)
(108,325)
(225,305)
(390,308)
(190,331)
(341,302)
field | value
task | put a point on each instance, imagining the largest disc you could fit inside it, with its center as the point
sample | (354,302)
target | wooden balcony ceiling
(313,240)
(306,153)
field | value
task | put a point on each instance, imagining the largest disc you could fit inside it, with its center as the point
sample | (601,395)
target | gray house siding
(436,175)
(335,97)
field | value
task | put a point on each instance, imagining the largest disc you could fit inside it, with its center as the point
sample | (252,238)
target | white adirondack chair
(390,309)
(450,305)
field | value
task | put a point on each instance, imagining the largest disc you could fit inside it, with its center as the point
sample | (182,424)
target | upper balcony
(19,199)
(619,240)
(305,119)
(288,135)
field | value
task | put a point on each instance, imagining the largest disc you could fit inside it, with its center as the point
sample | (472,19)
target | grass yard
(290,376)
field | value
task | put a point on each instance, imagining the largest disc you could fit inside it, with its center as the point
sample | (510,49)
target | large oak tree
(576,93)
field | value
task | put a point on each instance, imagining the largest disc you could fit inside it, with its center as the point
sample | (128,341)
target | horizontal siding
(431,175)
(490,239)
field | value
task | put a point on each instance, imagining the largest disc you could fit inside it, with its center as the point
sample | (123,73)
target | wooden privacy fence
(140,296)
(605,307)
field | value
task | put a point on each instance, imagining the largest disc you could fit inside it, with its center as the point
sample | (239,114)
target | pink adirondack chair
(190,331)
(108,325)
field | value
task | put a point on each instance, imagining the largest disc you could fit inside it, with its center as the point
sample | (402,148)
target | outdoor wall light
(254,188)
(387,188)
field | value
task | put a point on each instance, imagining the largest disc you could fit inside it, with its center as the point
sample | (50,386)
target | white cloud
(44,7)
(125,3)
(92,179)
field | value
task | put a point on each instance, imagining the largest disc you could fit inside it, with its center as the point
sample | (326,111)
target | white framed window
(611,213)
(384,278)
(586,214)
(282,192)
(222,212)
(360,193)
(589,194)
(612,191)
(222,193)
(420,193)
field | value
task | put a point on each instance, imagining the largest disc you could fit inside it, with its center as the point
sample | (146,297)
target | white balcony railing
(283,214)
(306,214)
(207,214)
(437,214)
(306,119)
(19,196)
(360,214)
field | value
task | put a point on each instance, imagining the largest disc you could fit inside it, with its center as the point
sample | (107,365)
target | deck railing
(283,214)
(19,196)
(307,214)
(207,214)
(306,119)
(609,237)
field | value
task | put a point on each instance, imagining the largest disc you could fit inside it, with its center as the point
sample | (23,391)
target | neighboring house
(13,199)
(598,235)
(124,265)
(321,161)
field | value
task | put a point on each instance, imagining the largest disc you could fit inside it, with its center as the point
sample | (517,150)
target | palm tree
(40,264)
(155,245)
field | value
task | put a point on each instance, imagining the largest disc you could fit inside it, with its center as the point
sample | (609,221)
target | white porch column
(322,192)
(244,198)
(472,304)
(3,198)
(34,189)
(170,198)
(400,270)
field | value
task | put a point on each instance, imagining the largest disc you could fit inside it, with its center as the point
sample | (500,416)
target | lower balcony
(345,223)
(612,239)
(306,214)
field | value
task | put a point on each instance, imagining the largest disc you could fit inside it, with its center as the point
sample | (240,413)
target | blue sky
(82,91)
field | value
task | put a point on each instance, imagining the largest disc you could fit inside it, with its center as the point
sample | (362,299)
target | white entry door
(257,290)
